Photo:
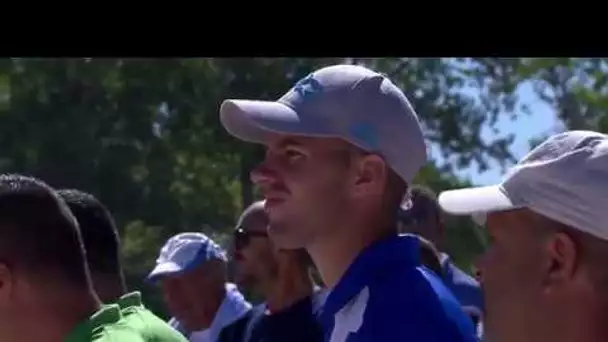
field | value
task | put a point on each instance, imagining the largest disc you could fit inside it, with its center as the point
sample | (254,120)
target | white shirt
(233,307)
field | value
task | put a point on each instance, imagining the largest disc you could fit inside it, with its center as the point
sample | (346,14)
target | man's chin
(282,235)
(284,241)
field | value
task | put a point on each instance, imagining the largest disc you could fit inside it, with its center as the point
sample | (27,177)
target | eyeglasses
(243,237)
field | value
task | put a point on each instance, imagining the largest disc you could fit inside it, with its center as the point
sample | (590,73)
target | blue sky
(541,120)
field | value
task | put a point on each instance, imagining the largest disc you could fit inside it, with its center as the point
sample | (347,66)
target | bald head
(254,218)
(260,262)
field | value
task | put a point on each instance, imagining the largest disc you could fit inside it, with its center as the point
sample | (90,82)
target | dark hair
(397,189)
(429,256)
(38,233)
(424,207)
(98,231)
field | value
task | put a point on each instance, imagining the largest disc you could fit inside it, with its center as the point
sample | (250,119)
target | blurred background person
(46,292)
(429,256)
(423,216)
(102,247)
(281,277)
(192,274)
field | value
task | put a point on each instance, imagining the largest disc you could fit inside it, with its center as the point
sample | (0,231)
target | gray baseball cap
(349,102)
(565,178)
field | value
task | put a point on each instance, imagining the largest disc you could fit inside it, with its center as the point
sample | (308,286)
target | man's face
(253,251)
(512,274)
(185,294)
(305,182)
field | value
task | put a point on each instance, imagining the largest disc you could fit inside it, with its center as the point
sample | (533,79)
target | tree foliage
(576,88)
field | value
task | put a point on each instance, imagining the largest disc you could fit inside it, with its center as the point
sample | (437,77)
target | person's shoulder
(151,327)
(105,324)
(160,330)
(234,331)
(297,322)
(415,303)
(405,317)
(234,306)
(466,288)
(460,277)
(443,307)
(300,314)
(119,332)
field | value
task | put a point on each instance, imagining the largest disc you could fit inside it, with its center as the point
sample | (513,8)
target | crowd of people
(343,147)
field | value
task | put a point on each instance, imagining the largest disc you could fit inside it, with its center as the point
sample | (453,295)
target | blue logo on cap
(308,86)
(365,133)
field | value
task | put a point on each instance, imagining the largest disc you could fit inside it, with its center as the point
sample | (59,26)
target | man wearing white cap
(341,147)
(544,275)
(192,273)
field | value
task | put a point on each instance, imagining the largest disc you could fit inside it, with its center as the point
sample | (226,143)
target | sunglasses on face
(242,238)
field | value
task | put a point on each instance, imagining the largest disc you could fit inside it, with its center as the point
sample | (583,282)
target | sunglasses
(242,238)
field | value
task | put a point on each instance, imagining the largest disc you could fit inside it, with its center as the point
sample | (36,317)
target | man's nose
(262,174)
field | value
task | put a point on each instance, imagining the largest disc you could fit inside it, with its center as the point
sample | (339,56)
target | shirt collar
(128,300)
(382,256)
(444,259)
(106,315)
(232,307)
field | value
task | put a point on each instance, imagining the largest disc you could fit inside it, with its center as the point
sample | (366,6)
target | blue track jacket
(387,296)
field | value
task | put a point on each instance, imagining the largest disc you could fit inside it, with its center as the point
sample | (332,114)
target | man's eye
(293,154)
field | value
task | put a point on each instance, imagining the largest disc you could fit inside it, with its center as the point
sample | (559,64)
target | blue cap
(184,252)
(349,102)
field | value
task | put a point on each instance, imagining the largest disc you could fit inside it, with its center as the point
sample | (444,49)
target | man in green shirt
(150,326)
(102,245)
(46,293)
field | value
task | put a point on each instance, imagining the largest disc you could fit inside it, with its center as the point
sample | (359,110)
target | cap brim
(164,269)
(477,202)
(256,121)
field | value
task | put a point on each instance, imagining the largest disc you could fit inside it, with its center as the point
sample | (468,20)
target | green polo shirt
(105,325)
(150,327)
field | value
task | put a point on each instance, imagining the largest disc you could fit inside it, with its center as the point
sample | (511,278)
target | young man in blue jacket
(341,147)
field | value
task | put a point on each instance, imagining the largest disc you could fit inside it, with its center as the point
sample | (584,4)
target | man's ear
(562,259)
(370,175)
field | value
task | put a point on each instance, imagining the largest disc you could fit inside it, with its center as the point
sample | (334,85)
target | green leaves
(457,100)
(577,88)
